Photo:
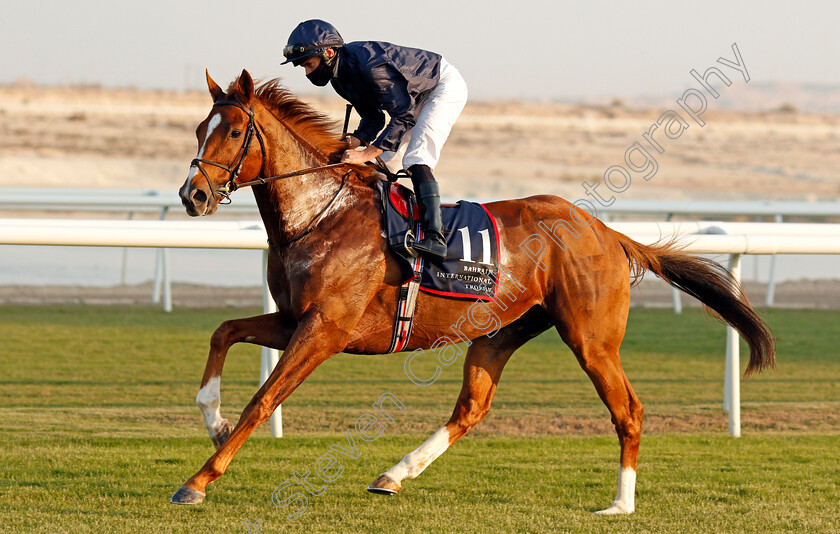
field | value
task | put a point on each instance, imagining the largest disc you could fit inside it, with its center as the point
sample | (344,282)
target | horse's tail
(711,284)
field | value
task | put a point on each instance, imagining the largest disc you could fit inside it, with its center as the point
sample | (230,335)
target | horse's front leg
(271,330)
(312,343)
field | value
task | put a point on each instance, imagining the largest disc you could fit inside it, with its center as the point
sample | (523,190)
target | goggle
(296,50)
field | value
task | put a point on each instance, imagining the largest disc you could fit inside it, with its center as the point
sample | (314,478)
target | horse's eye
(235,134)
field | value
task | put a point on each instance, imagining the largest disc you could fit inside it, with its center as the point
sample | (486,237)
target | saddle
(472,241)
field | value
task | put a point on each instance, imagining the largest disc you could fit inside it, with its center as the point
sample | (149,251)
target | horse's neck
(289,205)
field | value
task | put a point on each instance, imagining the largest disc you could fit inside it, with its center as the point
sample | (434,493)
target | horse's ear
(215,91)
(246,85)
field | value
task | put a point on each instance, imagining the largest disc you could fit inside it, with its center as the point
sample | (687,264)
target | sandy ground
(133,139)
(90,137)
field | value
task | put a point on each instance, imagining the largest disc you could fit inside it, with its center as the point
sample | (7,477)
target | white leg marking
(417,460)
(214,122)
(209,399)
(625,500)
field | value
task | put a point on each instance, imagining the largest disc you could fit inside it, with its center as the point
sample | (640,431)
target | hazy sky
(505,49)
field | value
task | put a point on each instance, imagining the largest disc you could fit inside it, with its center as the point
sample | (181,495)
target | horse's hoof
(384,485)
(185,495)
(222,434)
(616,509)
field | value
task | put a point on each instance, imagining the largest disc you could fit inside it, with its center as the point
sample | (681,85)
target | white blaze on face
(209,399)
(214,122)
(416,461)
(625,499)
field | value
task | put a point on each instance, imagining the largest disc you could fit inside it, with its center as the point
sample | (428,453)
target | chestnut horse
(336,283)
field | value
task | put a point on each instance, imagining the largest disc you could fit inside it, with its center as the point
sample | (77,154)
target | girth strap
(407,299)
(406,305)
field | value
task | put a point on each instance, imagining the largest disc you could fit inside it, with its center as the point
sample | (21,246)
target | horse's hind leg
(268,330)
(483,365)
(595,336)
(603,366)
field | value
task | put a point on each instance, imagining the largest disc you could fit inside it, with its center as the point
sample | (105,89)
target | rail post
(771,279)
(124,269)
(270,357)
(162,272)
(732,381)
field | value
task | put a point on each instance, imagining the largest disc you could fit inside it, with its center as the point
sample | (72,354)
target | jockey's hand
(352,141)
(357,157)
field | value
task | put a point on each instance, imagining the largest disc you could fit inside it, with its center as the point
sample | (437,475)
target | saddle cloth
(472,241)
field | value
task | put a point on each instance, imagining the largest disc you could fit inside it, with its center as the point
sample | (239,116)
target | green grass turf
(100,426)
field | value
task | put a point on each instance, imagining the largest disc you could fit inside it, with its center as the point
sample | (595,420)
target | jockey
(422,93)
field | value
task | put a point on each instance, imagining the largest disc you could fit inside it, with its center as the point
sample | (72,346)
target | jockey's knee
(421,174)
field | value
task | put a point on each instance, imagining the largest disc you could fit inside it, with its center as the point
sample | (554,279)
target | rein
(238,160)
(315,220)
(230,187)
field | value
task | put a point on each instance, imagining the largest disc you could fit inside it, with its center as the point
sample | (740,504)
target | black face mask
(321,75)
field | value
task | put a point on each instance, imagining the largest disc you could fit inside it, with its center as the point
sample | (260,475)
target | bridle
(239,159)
(234,169)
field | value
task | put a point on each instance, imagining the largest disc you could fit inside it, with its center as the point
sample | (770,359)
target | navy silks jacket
(376,76)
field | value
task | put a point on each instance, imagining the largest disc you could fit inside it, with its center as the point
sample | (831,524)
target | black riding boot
(433,244)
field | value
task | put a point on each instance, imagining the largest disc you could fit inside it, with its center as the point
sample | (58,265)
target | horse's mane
(316,128)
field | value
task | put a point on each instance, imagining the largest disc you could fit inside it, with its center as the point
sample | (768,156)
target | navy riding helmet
(311,38)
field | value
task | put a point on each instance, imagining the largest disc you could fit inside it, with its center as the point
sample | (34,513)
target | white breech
(422,144)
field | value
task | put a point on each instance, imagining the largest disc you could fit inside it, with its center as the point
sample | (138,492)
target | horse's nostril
(199,197)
